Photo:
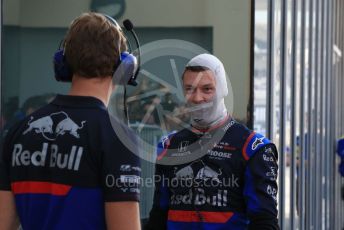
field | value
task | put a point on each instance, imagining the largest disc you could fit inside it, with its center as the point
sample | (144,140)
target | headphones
(125,71)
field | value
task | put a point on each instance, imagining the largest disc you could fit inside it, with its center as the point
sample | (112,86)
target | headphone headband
(125,70)
(113,21)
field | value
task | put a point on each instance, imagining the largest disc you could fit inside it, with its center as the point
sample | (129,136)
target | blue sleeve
(260,189)
(120,165)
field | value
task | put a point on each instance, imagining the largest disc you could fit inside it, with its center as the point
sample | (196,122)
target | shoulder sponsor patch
(163,145)
(253,143)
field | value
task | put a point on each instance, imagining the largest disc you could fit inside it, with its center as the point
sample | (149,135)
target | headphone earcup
(126,69)
(62,71)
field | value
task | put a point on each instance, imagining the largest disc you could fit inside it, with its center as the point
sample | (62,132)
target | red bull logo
(184,173)
(68,125)
(206,173)
(199,198)
(41,125)
(71,161)
(45,126)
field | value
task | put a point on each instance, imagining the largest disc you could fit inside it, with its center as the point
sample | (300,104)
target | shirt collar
(78,101)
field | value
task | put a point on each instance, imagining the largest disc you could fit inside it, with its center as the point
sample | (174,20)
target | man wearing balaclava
(205,87)
(217,174)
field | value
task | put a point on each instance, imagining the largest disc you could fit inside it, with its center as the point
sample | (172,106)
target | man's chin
(199,123)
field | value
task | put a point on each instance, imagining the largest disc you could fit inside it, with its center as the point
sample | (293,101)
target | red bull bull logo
(41,125)
(45,126)
(206,173)
(184,173)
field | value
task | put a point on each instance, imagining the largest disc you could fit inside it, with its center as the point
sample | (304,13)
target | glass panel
(260,65)
(303,133)
(303,168)
(288,111)
(276,96)
(296,133)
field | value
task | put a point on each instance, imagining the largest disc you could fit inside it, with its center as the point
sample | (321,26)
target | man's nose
(197,97)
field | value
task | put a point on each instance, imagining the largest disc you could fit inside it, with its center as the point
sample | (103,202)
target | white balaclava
(210,113)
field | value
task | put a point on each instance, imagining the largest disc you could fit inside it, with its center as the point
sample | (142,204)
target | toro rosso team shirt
(231,184)
(64,161)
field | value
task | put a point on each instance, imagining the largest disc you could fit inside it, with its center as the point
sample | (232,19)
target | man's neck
(100,88)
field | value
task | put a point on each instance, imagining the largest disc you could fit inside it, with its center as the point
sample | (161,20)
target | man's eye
(188,89)
(208,89)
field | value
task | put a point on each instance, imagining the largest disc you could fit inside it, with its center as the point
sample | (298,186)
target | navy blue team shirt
(64,161)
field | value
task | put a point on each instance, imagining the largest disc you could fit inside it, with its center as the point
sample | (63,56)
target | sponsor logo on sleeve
(257,142)
(268,158)
(272,192)
(129,168)
(272,174)
(132,179)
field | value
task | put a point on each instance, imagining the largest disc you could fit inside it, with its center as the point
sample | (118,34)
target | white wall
(43,13)
(11,12)
(230,20)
